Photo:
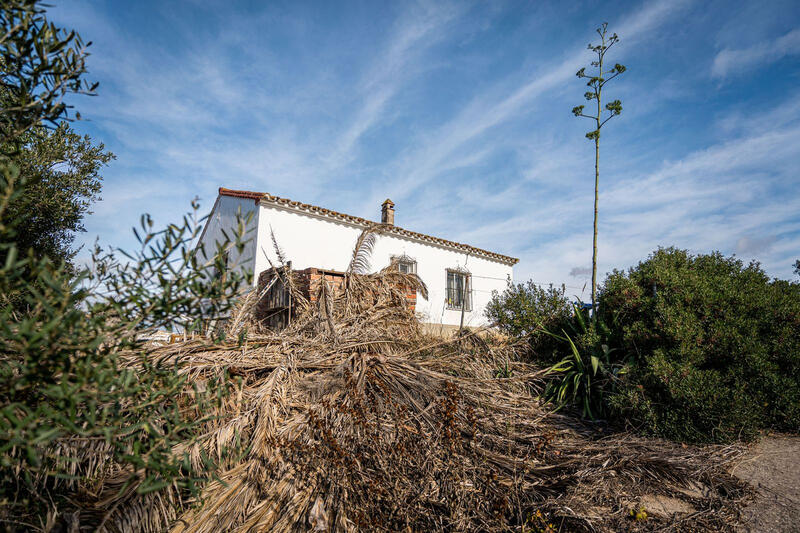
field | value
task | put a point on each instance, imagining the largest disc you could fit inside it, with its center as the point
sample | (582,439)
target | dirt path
(773,468)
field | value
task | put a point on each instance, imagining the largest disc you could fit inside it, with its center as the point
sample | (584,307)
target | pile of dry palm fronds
(352,419)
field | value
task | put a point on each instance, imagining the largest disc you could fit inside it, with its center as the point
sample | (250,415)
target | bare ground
(772,467)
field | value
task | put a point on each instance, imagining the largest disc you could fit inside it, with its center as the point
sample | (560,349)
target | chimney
(387,212)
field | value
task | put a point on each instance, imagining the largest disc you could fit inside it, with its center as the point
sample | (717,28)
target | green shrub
(77,393)
(583,368)
(716,346)
(528,310)
(74,370)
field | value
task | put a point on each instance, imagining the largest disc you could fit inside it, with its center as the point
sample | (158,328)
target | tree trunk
(597,174)
(594,239)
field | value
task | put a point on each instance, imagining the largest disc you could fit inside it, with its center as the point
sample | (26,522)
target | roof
(264,198)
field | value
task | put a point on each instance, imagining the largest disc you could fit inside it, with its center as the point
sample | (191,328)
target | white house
(312,236)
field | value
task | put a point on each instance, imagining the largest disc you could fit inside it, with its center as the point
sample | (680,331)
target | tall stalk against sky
(596,83)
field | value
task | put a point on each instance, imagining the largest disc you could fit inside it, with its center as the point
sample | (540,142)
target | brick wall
(308,281)
(274,307)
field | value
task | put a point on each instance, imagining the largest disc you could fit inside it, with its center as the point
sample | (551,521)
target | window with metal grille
(405,264)
(459,290)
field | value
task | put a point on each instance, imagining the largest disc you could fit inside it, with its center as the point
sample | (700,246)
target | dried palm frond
(277,247)
(362,251)
(284,273)
(366,423)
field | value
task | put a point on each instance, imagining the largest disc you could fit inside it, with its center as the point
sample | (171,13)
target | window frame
(407,260)
(451,294)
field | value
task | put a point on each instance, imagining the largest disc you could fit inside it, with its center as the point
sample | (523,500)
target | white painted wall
(432,264)
(223,221)
(309,240)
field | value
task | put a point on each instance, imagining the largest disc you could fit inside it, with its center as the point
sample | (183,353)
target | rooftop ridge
(262,197)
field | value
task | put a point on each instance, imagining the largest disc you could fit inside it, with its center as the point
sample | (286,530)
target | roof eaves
(292,204)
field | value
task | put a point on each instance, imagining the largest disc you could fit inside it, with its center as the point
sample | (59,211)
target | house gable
(315,237)
(219,228)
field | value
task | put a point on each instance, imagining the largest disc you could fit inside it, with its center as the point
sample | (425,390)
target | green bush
(528,310)
(560,335)
(78,392)
(716,346)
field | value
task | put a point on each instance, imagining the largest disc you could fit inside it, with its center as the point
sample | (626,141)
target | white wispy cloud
(418,31)
(735,196)
(502,103)
(731,62)
(458,113)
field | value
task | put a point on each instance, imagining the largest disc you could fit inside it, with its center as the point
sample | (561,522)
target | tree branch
(607,119)
(606,80)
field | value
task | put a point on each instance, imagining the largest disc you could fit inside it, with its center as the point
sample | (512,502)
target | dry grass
(353,420)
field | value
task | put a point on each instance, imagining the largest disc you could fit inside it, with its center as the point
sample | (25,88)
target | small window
(459,290)
(405,264)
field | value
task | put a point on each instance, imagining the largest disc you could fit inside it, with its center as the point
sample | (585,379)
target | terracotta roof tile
(242,194)
(266,198)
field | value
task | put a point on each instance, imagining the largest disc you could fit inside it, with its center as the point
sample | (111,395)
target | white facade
(315,237)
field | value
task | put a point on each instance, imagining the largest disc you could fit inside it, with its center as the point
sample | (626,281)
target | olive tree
(78,390)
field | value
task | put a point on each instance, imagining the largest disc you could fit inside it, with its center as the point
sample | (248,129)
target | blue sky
(459,112)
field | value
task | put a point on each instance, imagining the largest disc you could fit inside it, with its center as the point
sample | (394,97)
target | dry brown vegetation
(352,419)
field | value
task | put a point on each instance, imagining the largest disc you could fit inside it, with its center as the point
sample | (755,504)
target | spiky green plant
(589,372)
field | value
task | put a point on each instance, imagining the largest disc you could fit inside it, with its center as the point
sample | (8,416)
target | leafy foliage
(582,367)
(61,170)
(692,348)
(73,368)
(531,311)
(41,63)
(717,346)
(77,394)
